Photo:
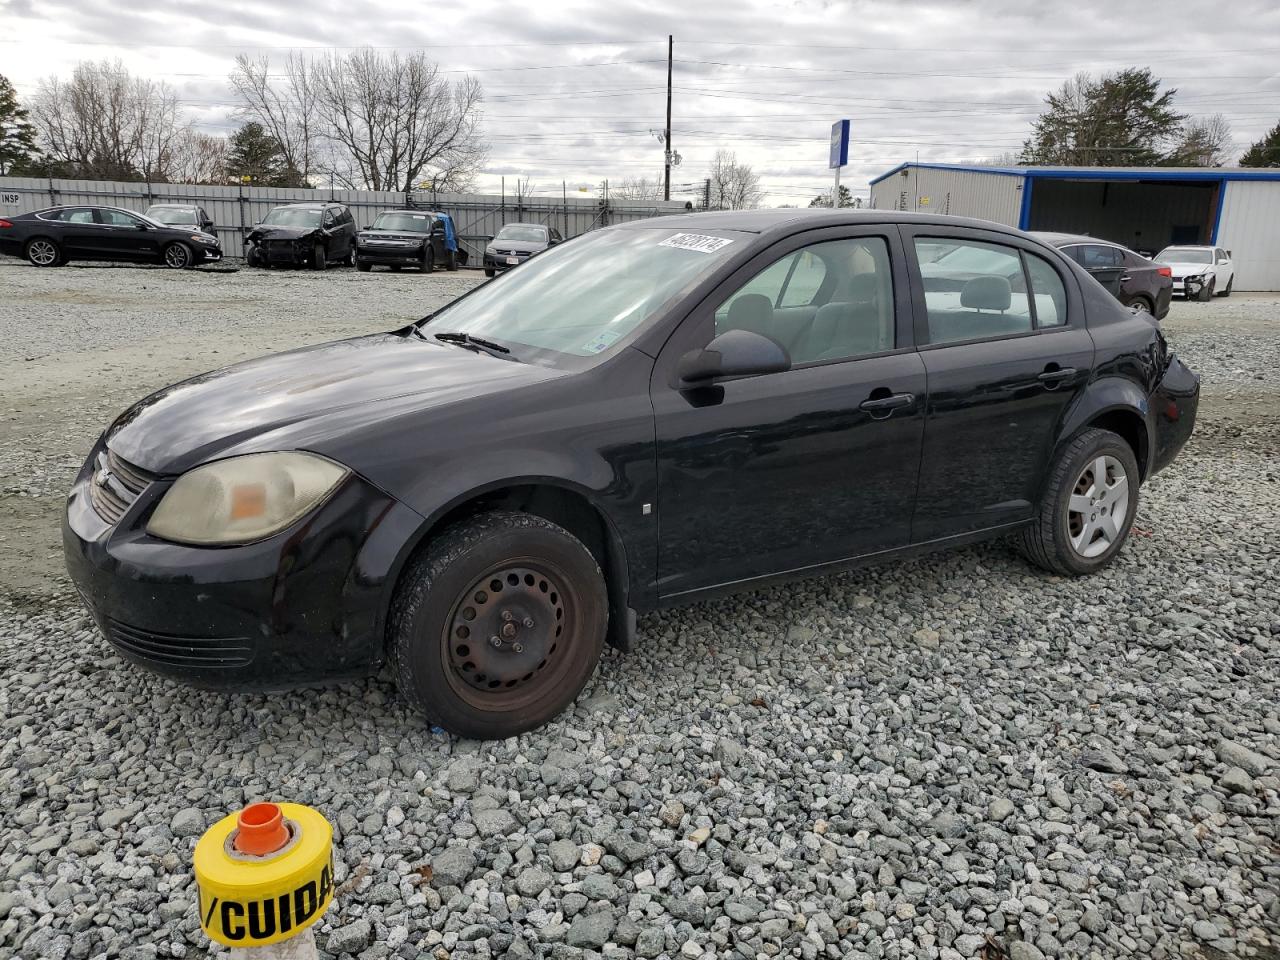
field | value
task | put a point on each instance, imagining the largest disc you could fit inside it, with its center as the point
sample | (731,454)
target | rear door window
(1095,256)
(973,290)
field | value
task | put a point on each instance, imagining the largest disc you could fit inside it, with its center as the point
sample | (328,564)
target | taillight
(5,223)
(1165,271)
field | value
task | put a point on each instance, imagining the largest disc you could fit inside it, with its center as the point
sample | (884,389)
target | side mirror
(735,353)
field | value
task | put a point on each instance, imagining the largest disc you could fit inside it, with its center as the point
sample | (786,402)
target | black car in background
(408,238)
(313,234)
(1129,277)
(52,237)
(517,242)
(657,412)
(181,215)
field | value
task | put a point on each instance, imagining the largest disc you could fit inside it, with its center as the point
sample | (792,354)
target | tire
(451,261)
(1226,291)
(461,680)
(252,257)
(43,252)
(394,268)
(350,261)
(1206,292)
(1142,304)
(363,267)
(319,259)
(1074,542)
(178,256)
(489,271)
(428,259)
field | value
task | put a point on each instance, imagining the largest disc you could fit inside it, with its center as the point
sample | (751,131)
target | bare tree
(398,120)
(1204,142)
(638,188)
(106,124)
(199,158)
(734,185)
(284,104)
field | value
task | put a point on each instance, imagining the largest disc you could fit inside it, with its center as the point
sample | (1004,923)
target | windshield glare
(583,297)
(292,217)
(523,233)
(411,222)
(1185,255)
(172,215)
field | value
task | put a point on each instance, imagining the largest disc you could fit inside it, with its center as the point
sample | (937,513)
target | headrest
(864,287)
(751,311)
(986,293)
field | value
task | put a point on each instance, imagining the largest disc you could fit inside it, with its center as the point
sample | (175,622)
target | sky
(575,90)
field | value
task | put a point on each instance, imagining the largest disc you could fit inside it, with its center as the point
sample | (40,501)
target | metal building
(1144,208)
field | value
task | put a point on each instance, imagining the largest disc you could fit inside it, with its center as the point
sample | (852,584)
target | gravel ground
(951,758)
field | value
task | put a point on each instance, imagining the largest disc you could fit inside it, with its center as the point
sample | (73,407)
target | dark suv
(656,412)
(303,234)
(1129,277)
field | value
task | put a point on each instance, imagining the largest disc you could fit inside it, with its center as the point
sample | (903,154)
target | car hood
(520,246)
(269,232)
(1187,269)
(302,399)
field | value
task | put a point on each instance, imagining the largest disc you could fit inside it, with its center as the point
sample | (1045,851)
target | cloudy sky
(573,89)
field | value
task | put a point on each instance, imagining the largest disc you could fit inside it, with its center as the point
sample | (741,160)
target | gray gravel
(919,760)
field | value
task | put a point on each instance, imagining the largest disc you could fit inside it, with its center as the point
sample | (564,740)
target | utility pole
(666,175)
(706,194)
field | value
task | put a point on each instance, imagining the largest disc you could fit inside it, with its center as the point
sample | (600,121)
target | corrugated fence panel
(1250,212)
(236,209)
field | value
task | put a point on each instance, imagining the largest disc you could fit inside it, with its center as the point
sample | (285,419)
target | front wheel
(489,271)
(1206,292)
(1088,505)
(177,256)
(363,267)
(319,259)
(452,261)
(43,252)
(498,625)
(1226,291)
(253,257)
(428,259)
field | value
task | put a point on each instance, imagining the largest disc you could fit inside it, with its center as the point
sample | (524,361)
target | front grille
(114,486)
(177,651)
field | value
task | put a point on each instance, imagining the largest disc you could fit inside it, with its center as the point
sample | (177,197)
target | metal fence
(235,209)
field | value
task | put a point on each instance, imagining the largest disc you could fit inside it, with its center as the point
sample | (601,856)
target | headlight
(243,498)
(203,238)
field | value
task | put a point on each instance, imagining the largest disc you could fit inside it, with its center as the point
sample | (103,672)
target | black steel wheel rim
(509,636)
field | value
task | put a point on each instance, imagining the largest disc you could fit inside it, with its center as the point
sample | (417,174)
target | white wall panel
(1250,229)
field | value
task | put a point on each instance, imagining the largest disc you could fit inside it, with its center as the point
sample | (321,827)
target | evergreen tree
(1264,153)
(18,152)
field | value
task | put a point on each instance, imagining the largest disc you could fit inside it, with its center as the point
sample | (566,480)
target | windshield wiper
(467,340)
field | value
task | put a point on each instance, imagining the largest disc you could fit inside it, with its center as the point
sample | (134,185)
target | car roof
(429,213)
(314,204)
(522,223)
(782,219)
(180,206)
(1190,246)
(1066,239)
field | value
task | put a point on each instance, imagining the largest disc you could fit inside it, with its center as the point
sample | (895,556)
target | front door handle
(1126,278)
(881,407)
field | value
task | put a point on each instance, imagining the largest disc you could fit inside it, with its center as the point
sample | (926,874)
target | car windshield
(292,217)
(581,298)
(524,232)
(1185,255)
(411,222)
(172,215)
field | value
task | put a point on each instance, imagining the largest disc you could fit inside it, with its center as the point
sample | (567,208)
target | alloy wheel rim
(43,252)
(507,633)
(176,256)
(1098,506)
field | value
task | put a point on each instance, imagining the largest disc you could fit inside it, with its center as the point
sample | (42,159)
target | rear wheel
(1088,505)
(1141,305)
(318,257)
(177,256)
(43,252)
(497,626)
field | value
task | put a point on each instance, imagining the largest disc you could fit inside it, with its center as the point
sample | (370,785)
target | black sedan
(302,234)
(1129,277)
(58,235)
(409,238)
(657,412)
(515,243)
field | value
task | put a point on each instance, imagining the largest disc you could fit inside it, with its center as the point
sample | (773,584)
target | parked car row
(314,234)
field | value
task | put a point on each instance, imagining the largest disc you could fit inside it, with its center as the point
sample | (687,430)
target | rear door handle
(1057,376)
(1126,278)
(881,407)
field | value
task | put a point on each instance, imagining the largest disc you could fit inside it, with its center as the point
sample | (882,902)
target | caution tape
(248,901)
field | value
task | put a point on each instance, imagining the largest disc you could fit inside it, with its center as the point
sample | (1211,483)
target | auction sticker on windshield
(695,241)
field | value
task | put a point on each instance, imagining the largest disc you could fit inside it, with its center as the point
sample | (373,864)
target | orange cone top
(261,830)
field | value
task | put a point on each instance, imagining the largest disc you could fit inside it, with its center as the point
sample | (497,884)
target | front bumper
(501,262)
(1174,404)
(304,606)
(1189,286)
(207,254)
(390,254)
(282,253)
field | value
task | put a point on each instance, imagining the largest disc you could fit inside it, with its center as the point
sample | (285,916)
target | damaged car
(422,239)
(302,235)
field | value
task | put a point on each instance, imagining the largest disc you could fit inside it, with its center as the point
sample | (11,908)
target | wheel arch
(561,502)
(1119,405)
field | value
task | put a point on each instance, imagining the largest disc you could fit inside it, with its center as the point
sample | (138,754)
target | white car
(1199,272)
